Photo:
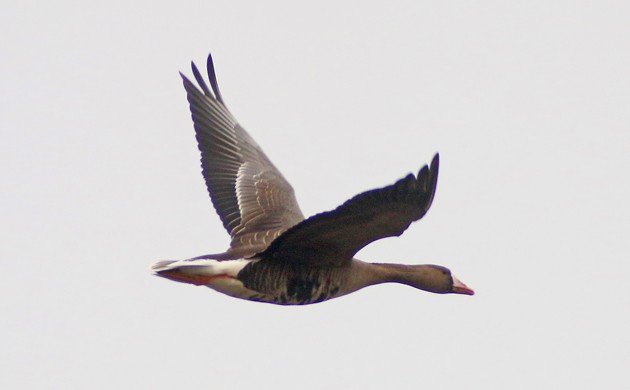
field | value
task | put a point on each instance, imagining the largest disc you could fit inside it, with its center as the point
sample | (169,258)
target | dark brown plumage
(334,237)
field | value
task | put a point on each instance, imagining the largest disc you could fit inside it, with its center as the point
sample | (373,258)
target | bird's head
(438,279)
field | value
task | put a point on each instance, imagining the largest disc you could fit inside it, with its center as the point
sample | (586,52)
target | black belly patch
(301,290)
(289,285)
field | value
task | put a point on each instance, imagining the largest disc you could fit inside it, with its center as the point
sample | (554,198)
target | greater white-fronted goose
(277,256)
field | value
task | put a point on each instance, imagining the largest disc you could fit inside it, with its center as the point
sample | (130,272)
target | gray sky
(527,102)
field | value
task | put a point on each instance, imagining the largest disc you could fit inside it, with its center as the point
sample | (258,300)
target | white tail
(198,271)
(162,265)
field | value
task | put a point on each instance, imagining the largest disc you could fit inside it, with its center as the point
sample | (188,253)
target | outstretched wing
(254,201)
(334,237)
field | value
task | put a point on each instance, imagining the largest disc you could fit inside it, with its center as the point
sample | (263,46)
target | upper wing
(254,201)
(334,237)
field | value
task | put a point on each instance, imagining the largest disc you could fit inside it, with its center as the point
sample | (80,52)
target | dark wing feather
(334,237)
(254,201)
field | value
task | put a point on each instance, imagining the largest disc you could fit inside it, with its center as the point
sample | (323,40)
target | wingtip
(213,78)
(423,172)
(188,85)
(200,79)
(435,168)
(427,176)
(432,166)
(435,163)
(194,69)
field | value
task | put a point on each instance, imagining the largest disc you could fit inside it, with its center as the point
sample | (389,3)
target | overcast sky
(526,101)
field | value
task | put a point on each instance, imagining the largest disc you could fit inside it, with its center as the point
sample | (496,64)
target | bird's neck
(375,273)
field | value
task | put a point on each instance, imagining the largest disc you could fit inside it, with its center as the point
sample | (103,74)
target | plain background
(527,102)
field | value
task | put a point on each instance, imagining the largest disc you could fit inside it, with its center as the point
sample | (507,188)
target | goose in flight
(275,255)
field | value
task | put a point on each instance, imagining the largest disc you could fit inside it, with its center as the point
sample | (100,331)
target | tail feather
(162,265)
(200,265)
(197,271)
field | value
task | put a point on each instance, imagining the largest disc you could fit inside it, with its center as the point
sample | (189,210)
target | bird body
(275,255)
(256,280)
